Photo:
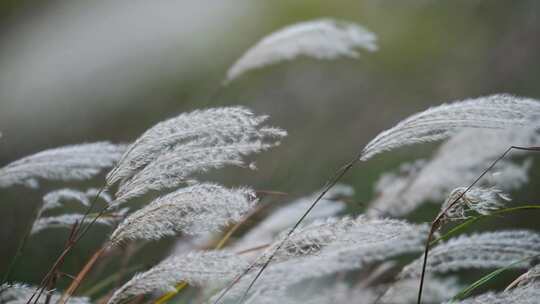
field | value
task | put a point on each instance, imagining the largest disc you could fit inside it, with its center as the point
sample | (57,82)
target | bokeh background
(84,71)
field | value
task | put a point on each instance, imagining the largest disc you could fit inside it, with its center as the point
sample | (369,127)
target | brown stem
(50,287)
(48,281)
(82,274)
(271,192)
(253,249)
(47,277)
(75,235)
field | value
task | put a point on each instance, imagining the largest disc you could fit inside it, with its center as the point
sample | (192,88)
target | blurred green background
(83,71)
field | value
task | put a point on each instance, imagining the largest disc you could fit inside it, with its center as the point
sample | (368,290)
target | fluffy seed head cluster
(338,293)
(286,216)
(459,161)
(483,250)
(478,200)
(59,198)
(339,234)
(320,39)
(403,292)
(437,123)
(169,153)
(68,220)
(20,294)
(436,290)
(75,162)
(192,210)
(526,294)
(195,268)
(327,247)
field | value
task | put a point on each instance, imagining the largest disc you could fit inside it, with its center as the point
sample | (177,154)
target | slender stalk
(328,185)
(56,274)
(50,287)
(48,280)
(45,279)
(424,264)
(74,238)
(437,222)
(82,274)
(460,227)
(68,248)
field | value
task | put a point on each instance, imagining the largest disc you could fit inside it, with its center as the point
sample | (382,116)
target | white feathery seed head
(459,161)
(198,128)
(68,220)
(338,293)
(58,198)
(193,210)
(483,250)
(436,290)
(319,39)
(349,234)
(345,234)
(311,238)
(287,216)
(175,168)
(203,241)
(167,154)
(75,162)
(478,200)
(328,247)
(525,294)
(18,293)
(391,189)
(440,122)
(195,268)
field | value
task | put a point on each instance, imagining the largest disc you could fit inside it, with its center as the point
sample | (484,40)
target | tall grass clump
(234,247)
